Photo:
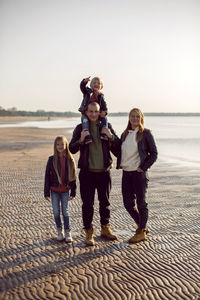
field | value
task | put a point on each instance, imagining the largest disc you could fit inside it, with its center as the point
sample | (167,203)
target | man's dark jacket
(107,146)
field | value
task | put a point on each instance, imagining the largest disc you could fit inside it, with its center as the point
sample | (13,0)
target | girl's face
(96,85)
(134,119)
(60,146)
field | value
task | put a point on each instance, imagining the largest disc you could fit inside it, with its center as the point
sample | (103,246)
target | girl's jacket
(51,178)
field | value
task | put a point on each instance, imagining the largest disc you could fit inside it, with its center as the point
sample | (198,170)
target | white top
(130,159)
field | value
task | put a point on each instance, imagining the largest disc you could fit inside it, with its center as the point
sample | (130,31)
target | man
(94,162)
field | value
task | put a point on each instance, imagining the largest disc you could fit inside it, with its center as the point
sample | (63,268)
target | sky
(147,53)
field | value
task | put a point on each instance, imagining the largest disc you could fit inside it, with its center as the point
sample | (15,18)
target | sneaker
(107,233)
(104,137)
(60,236)
(68,236)
(88,139)
(89,238)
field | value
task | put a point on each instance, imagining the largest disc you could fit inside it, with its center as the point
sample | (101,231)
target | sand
(35,266)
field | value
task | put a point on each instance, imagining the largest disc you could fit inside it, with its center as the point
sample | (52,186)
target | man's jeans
(57,200)
(89,182)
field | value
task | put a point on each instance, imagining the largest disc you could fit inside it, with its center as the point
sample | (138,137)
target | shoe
(60,236)
(107,233)
(88,139)
(139,236)
(147,229)
(89,239)
(104,137)
(68,236)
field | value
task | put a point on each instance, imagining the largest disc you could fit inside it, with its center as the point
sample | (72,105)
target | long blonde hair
(129,127)
(69,157)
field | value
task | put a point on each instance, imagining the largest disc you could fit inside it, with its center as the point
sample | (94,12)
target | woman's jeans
(60,200)
(134,187)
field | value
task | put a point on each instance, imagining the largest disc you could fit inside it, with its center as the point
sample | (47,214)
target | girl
(60,178)
(138,153)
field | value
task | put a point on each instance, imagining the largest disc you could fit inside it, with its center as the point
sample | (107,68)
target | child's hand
(87,79)
(102,114)
(48,199)
(71,198)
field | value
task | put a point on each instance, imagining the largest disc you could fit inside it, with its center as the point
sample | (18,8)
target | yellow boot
(139,236)
(89,239)
(107,233)
(147,229)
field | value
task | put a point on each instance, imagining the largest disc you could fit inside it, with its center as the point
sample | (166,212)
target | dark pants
(134,187)
(89,182)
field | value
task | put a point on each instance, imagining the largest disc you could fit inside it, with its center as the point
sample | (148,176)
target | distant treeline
(42,113)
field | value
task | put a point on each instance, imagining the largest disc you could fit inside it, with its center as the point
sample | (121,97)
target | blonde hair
(129,127)
(69,157)
(100,81)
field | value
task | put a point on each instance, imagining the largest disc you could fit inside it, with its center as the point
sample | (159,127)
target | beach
(35,266)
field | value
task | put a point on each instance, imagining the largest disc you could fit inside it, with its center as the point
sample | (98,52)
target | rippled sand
(35,266)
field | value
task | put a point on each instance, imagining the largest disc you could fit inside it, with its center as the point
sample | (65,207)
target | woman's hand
(140,170)
(48,199)
(71,198)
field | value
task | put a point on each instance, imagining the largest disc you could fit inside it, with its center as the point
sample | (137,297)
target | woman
(137,154)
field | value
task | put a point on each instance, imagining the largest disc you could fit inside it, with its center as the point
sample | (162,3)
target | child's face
(60,146)
(95,85)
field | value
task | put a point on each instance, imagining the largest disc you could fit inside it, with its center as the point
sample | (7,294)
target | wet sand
(35,266)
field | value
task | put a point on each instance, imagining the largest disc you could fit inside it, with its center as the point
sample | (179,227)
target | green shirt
(96,161)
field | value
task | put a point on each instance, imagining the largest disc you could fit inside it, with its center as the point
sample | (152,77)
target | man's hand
(107,132)
(48,199)
(87,79)
(71,198)
(84,133)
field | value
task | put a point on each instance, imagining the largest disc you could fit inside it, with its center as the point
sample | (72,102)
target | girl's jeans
(57,200)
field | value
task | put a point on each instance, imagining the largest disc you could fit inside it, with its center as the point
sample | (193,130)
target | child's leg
(55,200)
(104,124)
(85,126)
(85,122)
(65,210)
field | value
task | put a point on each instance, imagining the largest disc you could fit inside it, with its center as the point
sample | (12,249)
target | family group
(95,140)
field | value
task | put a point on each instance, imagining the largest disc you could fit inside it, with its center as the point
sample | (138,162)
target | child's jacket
(51,179)
(86,98)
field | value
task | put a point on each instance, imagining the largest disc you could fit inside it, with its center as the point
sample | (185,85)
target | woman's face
(134,119)
(60,146)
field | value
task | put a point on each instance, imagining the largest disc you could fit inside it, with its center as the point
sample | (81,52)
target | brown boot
(107,233)
(139,236)
(89,239)
(147,229)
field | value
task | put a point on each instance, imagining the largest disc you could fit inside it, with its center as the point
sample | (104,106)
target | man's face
(93,112)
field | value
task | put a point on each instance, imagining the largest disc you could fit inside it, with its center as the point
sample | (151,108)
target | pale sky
(146,51)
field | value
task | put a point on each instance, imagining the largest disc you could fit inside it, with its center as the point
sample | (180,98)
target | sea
(177,137)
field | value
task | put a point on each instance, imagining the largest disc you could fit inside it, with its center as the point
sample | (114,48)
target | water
(177,138)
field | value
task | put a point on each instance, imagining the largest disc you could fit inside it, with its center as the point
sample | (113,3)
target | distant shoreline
(68,114)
